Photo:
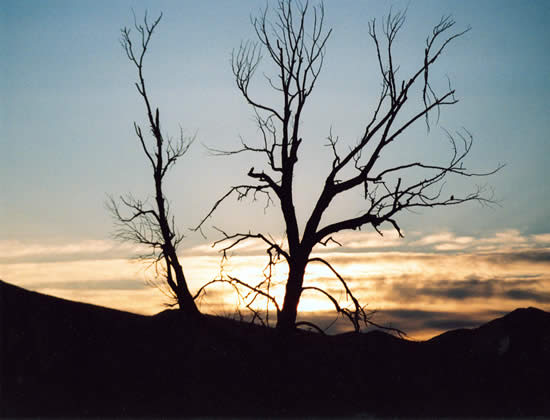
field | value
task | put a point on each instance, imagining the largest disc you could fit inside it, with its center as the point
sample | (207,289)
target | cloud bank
(424,283)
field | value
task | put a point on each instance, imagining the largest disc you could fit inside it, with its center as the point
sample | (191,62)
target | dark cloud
(533,256)
(453,323)
(458,290)
(408,288)
(402,290)
(527,294)
(414,322)
(529,289)
(525,276)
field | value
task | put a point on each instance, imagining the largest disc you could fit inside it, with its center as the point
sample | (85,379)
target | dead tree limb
(292,37)
(142,222)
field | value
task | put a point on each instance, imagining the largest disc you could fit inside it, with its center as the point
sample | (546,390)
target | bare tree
(294,42)
(145,223)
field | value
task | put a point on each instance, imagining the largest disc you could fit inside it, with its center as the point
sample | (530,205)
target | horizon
(68,108)
(408,281)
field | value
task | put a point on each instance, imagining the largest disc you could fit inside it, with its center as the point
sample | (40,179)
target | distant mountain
(62,358)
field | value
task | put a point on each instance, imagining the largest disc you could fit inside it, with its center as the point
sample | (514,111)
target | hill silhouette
(63,358)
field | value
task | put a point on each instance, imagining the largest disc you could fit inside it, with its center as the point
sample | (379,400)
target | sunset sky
(68,102)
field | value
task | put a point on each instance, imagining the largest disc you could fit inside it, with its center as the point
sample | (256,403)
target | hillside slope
(62,358)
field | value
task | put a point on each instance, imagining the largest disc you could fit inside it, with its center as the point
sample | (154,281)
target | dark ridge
(68,359)
(11,295)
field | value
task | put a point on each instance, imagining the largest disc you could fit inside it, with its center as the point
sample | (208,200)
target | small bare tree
(294,41)
(145,223)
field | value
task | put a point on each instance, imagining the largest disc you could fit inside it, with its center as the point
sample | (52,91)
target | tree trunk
(286,319)
(185,300)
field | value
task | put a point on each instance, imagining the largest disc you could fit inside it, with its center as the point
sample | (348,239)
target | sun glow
(417,289)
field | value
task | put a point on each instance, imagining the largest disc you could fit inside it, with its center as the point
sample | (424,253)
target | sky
(68,104)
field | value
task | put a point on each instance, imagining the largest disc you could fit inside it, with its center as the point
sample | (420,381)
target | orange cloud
(438,273)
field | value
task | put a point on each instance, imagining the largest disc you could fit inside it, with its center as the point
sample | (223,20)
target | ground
(62,358)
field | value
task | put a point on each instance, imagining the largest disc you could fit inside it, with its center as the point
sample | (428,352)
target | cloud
(528,294)
(353,242)
(443,237)
(474,288)
(367,240)
(543,238)
(448,241)
(525,261)
(456,290)
(453,323)
(444,273)
(424,323)
(416,323)
(507,237)
(437,243)
(532,256)
(12,252)
(449,247)
(248,247)
(344,258)
(123,284)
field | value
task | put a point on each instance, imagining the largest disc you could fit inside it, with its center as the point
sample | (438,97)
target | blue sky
(68,103)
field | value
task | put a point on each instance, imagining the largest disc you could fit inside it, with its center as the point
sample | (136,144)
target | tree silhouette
(294,41)
(140,221)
